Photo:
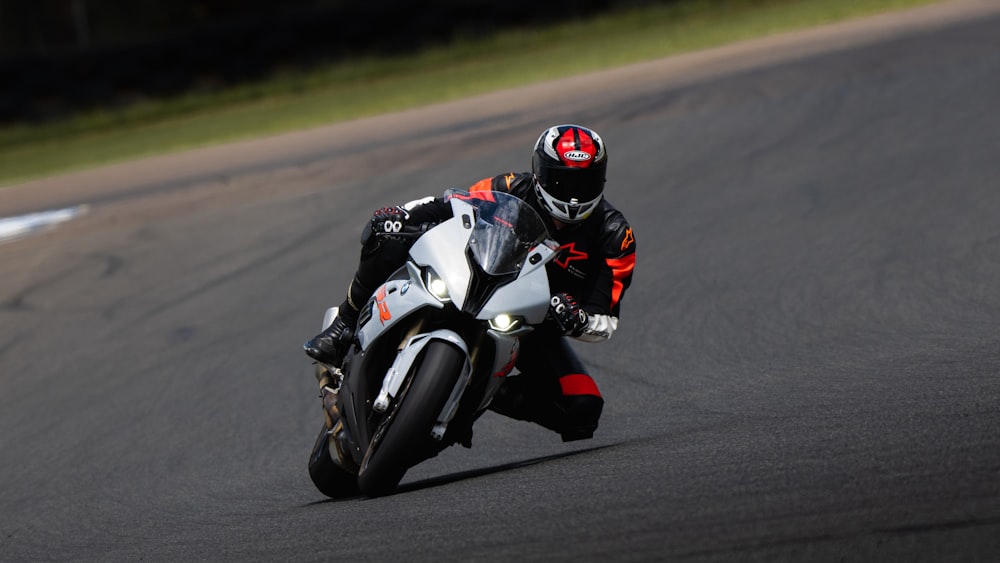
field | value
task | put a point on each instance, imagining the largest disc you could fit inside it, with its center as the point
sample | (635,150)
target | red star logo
(572,254)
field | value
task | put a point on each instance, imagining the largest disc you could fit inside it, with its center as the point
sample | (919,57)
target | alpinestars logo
(568,253)
(629,239)
(509,178)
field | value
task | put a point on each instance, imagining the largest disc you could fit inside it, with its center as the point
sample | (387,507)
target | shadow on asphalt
(470,474)
(473,473)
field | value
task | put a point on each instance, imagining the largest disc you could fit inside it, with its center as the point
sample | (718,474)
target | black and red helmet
(569,166)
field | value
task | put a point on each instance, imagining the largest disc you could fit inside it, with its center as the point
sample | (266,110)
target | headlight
(436,286)
(504,323)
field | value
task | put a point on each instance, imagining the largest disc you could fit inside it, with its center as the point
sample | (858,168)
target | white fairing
(397,373)
(401,298)
(443,250)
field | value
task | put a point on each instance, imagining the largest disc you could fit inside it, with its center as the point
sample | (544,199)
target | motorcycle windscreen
(505,230)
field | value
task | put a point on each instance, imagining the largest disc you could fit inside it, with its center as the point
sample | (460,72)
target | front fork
(403,365)
(506,354)
(330,380)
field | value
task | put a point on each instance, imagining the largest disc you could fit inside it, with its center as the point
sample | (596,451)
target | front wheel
(403,439)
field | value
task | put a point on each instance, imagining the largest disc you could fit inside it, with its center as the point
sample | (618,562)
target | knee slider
(581,413)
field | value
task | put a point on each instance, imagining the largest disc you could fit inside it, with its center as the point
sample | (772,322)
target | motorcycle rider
(589,278)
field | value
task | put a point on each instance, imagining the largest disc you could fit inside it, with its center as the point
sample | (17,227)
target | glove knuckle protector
(567,314)
(388,220)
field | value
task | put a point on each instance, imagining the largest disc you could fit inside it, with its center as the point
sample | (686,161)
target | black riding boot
(379,259)
(331,345)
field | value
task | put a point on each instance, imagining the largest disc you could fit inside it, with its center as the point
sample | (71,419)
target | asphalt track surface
(808,367)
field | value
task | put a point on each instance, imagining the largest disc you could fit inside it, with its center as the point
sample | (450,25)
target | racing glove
(567,314)
(389,221)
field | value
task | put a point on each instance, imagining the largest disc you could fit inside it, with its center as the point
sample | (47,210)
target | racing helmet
(569,163)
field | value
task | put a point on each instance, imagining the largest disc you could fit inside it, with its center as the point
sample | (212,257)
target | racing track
(808,368)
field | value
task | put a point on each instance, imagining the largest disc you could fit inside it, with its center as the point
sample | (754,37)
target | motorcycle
(433,344)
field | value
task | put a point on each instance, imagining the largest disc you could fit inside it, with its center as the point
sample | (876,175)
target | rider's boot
(331,346)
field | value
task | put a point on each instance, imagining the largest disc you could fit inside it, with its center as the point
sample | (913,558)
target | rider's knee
(580,416)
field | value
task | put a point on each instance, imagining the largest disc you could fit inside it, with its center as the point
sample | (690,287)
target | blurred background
(62,56)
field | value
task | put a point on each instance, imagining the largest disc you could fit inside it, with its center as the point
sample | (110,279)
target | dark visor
(564,183)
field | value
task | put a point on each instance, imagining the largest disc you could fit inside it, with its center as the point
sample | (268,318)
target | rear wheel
(331,479)
(403,439)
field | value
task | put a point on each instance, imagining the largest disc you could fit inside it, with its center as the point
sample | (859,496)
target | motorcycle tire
(329,478)
(403,438)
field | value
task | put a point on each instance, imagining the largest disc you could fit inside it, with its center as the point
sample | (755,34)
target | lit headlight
(504,323)
(436,286)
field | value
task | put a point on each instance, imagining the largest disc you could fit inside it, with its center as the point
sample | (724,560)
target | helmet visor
(565,184)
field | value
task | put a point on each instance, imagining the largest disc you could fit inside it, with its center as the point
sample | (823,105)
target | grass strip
(368,86)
